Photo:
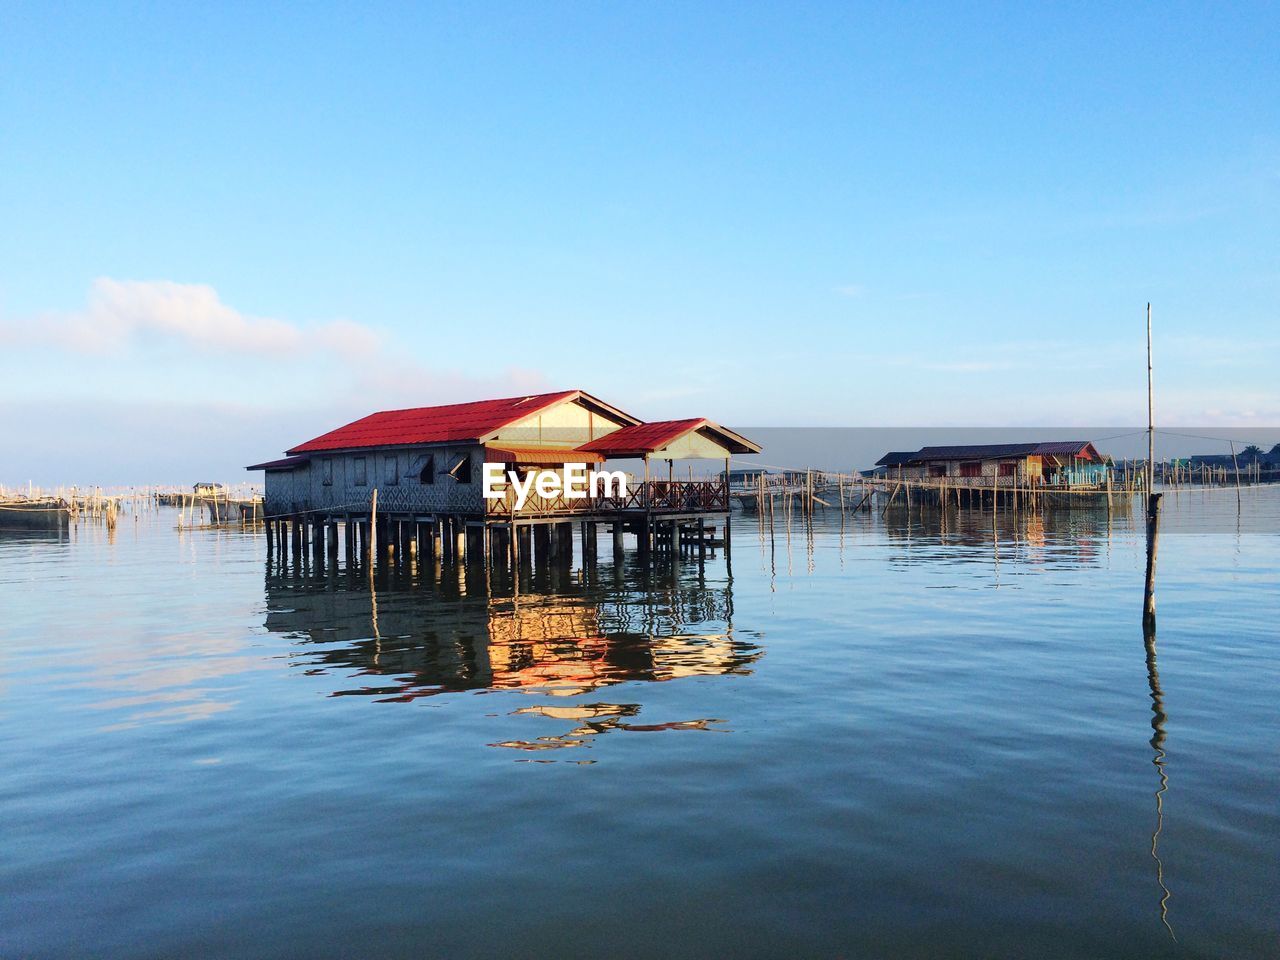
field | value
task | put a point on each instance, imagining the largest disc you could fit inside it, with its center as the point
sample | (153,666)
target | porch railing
(660,496)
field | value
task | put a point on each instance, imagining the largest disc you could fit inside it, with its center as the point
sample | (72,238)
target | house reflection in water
(422,639)
(1049,538)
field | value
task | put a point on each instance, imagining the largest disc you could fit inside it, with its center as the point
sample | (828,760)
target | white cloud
(122,313)
(122,413)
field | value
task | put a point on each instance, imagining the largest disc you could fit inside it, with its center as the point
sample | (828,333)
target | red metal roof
(450,422)
(642,438)
(1080,449)
(645,438)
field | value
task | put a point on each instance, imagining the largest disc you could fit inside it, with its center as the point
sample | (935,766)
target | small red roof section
(645,438)
(448,423)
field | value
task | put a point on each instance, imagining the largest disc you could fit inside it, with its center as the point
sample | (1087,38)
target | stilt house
(426,465)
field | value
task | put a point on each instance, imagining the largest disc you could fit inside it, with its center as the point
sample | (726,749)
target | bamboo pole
(1153,503)
(1151,417)
(840,483)
(1237,466)
(1153,545)
(371,542)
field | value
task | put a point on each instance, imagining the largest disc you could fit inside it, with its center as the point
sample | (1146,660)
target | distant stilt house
(1074,464)
(892,463)
(428,466)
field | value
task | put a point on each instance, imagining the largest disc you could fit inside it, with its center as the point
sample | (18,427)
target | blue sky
(248,221)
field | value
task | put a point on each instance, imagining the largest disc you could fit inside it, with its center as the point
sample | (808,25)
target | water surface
(926,737)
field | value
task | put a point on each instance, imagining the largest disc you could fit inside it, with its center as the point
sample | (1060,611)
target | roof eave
(743,445)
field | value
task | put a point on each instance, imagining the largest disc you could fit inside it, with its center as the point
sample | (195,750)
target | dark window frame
(462,471)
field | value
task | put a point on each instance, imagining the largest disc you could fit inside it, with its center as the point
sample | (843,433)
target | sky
(230,227)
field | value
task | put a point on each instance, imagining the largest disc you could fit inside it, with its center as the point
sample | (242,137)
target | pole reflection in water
(551,633)
(1158,718)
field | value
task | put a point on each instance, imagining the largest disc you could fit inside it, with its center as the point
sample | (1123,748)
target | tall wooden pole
(371,547)
(1151,417)
(1153,545)
(1236,464)
(1153,505)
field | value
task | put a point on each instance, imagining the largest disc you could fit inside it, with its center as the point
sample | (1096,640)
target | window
(358,469)
(427,474)
(461,471)
(1008,469)
(326,473)
(972,468)
(937,469)
(390,470)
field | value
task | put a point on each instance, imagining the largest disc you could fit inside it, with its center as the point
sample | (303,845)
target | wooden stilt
(1153,544)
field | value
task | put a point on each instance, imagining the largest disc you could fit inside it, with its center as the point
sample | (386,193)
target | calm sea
(889,738)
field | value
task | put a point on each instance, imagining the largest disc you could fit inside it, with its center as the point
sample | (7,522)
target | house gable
(572,421)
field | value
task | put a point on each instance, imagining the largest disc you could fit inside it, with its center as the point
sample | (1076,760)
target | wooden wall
(331,482)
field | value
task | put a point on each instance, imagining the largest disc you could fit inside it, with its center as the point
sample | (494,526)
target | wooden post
(728,540)
(541,544)
(1151,417)
(566,543)
(1153,502)
(1237,466)
(371,541)
(1153,543)
(271,539)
